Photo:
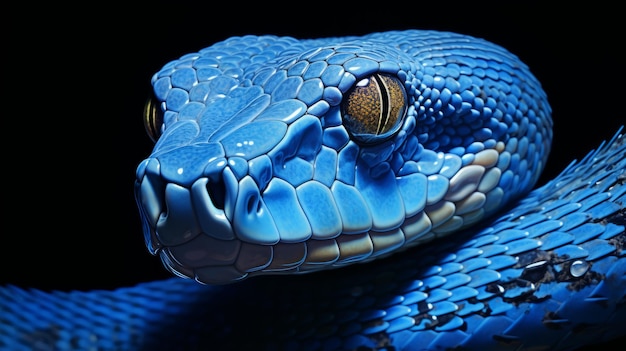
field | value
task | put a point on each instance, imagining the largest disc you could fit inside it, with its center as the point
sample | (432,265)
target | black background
(76,78)
(77,84)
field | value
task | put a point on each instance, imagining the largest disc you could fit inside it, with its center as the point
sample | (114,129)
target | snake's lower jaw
(219,228)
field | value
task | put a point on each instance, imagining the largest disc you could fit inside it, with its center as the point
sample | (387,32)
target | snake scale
(405,159)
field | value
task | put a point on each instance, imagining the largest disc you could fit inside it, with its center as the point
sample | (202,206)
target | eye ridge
(374,108)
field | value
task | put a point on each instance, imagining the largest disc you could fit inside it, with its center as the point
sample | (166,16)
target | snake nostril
(217,193)
(251,203)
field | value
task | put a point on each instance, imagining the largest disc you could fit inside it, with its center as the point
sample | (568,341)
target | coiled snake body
(405,159)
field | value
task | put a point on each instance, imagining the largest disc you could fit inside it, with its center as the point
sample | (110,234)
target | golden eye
(152,119)
(374,108)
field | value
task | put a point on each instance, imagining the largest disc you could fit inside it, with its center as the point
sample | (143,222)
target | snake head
(275,155)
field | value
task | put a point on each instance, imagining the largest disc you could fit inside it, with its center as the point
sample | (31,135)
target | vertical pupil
(383,122)
(373,109)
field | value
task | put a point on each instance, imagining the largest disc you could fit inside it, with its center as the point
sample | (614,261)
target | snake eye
(374,109)
(152,119)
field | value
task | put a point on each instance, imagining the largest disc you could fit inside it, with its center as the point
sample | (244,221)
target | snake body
(406,159)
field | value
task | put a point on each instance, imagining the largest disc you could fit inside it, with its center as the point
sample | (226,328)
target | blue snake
(355,193)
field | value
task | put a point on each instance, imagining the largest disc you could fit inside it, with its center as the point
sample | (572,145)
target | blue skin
(548,272)
(270,134)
